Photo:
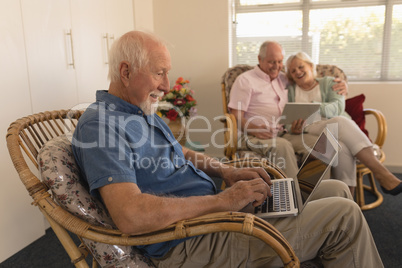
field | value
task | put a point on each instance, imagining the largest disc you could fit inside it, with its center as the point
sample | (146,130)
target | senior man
(140,199)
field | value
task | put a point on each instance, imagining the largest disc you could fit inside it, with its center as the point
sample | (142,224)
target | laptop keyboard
(279,201)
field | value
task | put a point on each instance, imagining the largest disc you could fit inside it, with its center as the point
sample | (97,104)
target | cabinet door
(21,223)
(96,24)
(90,46)
(50,58)
(120,17)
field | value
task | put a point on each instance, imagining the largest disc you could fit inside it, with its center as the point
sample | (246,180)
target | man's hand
(341,87)
(242,193)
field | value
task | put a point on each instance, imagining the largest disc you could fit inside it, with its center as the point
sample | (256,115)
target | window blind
(364,38)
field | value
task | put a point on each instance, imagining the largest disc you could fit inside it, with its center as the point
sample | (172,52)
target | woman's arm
(332,104)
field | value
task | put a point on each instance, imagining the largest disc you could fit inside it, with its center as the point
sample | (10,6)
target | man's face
(148,85)
(272,64)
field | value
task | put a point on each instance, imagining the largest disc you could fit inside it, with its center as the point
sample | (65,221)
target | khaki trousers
(331,227)
(278,150)
(351,139)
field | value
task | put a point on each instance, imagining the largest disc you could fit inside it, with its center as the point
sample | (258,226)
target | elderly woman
(304,86)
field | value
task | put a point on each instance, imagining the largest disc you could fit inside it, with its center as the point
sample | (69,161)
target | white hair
(131,47)
(263,48)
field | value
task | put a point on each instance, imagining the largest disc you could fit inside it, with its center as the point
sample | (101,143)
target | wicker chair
(27,136)
(361,170)
(231,135)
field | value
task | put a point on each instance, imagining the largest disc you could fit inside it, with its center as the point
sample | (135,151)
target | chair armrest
(230,135)
(224,99)
(382,125)
(239,222)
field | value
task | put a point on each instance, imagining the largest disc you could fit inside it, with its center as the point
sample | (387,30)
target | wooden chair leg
(76,256)
(94,263)
(360,190)
(372,188)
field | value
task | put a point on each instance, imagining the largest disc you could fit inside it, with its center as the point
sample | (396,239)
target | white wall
(198,31)
(143,15)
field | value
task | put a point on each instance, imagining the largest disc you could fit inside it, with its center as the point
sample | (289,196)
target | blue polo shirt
(115,142)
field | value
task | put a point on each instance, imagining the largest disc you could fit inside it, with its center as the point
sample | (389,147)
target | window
(362,37)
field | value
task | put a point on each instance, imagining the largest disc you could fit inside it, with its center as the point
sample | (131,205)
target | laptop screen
(314,166)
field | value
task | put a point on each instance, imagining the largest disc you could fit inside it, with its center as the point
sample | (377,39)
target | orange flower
(181,81)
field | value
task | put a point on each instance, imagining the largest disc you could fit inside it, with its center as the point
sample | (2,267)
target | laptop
(290,196)
(296,110)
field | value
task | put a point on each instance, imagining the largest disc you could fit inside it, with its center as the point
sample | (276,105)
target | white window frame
(306,6)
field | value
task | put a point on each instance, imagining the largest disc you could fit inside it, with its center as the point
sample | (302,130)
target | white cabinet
(53,56)
(21,223)
(47,25)
(67,43)
(96,24)
(119,17)
(90,47)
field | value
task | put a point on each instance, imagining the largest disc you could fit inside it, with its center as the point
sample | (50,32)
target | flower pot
(179,130)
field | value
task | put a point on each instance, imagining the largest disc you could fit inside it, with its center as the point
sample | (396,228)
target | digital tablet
(294,111)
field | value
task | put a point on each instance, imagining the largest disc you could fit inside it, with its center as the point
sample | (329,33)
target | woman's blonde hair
(301,56)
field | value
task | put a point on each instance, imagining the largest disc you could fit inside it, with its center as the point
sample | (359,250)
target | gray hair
(263,48)
(301,56)
(131,47)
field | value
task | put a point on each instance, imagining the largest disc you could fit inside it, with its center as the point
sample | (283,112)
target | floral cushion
(330,70)
(60,173)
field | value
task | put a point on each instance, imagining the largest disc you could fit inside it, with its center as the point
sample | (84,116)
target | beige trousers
(279,151)
(331,227)
(351,139)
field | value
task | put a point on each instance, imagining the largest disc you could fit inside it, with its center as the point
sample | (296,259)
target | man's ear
(125,72)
